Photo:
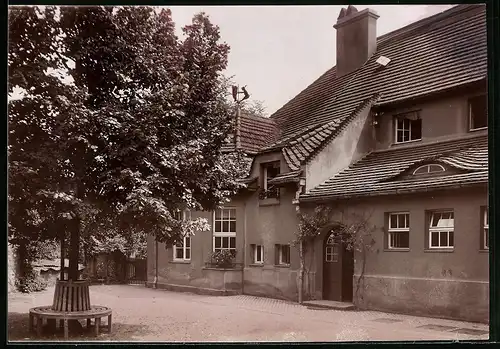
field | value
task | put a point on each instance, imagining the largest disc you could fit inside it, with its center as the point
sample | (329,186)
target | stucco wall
(451,284)
(353,142)
(269,225)
(441,119)
(194,273)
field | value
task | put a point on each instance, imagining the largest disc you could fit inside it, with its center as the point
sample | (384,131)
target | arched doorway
(338,269)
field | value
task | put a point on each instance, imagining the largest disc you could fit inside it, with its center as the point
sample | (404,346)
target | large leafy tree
(120,122)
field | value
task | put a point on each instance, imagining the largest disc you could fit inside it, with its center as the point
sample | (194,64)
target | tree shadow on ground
(18,330)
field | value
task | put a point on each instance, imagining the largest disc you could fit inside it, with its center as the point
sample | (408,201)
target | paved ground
(143,314)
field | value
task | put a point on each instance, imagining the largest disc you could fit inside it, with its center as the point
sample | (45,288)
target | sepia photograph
(251,174)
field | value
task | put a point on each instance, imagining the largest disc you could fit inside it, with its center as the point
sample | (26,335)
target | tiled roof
(289,177)
(255,133)
(376,173)
(439,56)
(300,150)
(437,53)
(294,117)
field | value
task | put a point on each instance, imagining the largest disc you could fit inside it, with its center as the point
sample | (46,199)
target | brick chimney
(356,38)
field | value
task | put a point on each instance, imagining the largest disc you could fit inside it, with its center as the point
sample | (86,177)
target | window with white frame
(283,254)
(429,168)
(399,230)
(441,229)
(332,252)
(486,227)
(225,229)
(258,254)
(182,249)
(408,128)
(478,112)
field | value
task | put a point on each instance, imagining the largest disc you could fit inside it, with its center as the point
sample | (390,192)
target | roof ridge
(410,28)
(259,117)
(301,92)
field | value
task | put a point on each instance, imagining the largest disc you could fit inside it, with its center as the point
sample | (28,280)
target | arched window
(429,168)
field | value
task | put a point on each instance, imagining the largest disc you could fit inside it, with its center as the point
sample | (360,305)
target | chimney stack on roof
(356,38)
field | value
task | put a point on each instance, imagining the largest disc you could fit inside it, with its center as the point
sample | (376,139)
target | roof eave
(322,198)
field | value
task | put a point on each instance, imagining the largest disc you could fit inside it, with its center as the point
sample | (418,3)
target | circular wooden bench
(71,302)
(95,312)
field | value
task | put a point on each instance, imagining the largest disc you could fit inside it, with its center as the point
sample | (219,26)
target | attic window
(269,171)
(408,128)
(478,115)
(429,168)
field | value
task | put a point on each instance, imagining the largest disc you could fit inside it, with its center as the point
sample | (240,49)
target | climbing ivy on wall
(353,230)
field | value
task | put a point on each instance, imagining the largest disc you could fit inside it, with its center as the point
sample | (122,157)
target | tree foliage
(120,121)
(254,107)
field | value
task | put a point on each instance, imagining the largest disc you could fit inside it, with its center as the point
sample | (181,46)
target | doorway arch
(338,268)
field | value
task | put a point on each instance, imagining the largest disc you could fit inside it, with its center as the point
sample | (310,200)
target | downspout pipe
(244,247)
(156,264)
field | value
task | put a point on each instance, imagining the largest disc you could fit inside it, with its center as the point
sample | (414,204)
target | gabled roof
(285,178)
(375,173)
(300,150)
(255,133)
(437,53)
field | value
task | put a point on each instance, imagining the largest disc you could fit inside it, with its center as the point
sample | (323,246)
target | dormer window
(478,113)
(429,168)
(269,171)
(408,128)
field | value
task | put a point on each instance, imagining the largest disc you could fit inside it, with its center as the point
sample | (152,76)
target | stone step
(326,304)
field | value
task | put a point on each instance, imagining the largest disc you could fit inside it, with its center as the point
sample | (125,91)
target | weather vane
(243,91)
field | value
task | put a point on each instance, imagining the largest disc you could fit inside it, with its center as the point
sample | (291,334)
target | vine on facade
(353,230)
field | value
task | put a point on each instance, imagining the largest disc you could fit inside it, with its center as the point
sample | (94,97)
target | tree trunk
(301,272)
(63,254)
(74,250)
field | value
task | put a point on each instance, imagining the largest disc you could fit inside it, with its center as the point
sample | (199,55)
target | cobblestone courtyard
(143,314)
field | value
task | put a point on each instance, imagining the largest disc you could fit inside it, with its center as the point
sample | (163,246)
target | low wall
(271,282)
(444,298)
(213,281)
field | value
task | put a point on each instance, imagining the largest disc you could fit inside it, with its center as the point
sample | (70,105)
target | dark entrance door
(338,270)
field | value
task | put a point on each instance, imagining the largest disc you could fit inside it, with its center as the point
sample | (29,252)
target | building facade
(396,132)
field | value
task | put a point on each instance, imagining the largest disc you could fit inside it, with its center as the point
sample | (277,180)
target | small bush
(31,282)
(223,258)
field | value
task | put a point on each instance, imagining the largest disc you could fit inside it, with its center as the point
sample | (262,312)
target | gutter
(389,192)
(244,247)
(156,264)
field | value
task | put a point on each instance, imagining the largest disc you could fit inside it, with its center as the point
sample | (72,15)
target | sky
(277,51)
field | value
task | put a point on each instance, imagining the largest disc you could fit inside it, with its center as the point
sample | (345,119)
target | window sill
(446,250)
(478,129)
(396,144)
(256,265)
(396,249)
(269,202)
(282,265)
(180,262)
(222,269)
(484,251)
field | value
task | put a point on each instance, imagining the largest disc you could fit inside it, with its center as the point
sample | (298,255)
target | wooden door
(332,269)
(347,275)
